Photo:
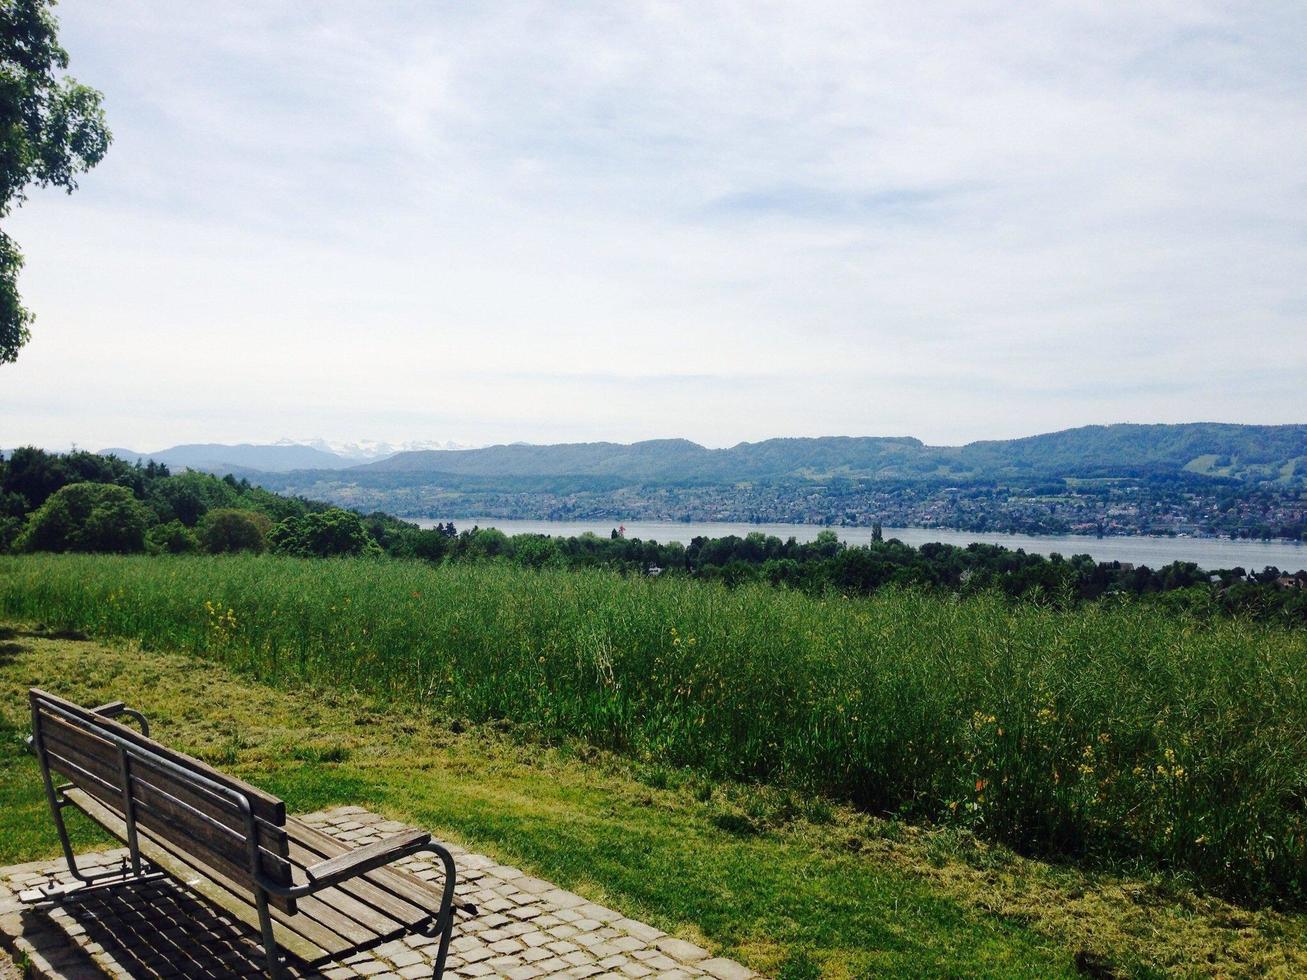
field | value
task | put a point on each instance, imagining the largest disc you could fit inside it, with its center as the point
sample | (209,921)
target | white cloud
(724,221)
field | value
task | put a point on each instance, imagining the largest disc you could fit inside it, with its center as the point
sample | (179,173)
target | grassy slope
(859,895)
(1123,735)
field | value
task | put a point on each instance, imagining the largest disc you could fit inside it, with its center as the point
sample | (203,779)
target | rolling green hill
(1248,453)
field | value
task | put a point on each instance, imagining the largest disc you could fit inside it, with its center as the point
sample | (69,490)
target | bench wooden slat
(148,817)
(401,886)
(308,846)
(166,803)
(311,928)
(187,834)
(75,747)
(307,940)
(364,917)
(264,805)
(88,773)
(332,922)
(189,827)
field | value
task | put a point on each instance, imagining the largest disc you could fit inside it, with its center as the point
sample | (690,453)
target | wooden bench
(230,842)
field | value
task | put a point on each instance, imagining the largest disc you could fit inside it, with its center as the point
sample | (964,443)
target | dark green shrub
(325,534)
(173,538)
(10,528)
(536,551)
(87,517)
(187,497)
(227,530)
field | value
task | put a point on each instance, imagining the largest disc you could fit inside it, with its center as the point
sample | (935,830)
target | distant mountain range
(279,457)
(1203,478)
(1249,453)
(218,458)
(1245,453)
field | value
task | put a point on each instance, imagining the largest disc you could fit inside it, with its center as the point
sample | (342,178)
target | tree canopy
(229,529)
(51,129)
(88,517)
(323,534)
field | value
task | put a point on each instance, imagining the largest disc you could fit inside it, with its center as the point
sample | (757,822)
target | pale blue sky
(557,222)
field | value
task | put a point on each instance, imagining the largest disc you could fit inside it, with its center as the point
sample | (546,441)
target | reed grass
(1119,734)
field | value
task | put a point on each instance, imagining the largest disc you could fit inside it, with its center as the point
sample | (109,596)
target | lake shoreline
(1154,550)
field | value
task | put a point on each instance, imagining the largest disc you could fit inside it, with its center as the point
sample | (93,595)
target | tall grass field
(1120,734)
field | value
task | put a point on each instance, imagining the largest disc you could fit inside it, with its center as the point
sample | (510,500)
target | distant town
(1196,479)
(1107,507)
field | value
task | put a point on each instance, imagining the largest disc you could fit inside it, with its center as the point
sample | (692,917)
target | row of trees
(85,502)
(827,564)
(104,517)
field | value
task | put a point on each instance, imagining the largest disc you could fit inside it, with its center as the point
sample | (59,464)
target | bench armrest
(111,710)
(115,708)
(366,858)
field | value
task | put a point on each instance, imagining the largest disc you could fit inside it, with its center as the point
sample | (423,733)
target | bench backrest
(177,799)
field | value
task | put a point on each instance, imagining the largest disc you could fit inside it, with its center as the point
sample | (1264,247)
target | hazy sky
(728,221)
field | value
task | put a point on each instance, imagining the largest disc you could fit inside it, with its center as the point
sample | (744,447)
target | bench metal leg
(446,907)
(270,948)
(57,813)
(57,805)
(109,878)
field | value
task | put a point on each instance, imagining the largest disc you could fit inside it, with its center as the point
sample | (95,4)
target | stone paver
(528,929)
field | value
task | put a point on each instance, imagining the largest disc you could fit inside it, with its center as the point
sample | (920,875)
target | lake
(1207,553)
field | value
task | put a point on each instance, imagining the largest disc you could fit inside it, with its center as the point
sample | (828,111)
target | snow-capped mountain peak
(368,450)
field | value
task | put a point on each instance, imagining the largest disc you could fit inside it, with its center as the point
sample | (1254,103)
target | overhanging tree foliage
(51,130)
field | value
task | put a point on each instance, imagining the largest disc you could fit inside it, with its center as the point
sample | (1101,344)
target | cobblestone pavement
(527,928)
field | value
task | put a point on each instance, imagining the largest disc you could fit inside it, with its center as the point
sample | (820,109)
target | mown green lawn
(784,884)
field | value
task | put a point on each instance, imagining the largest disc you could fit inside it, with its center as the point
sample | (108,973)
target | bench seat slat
(306,939)
(372,922)
(335,921)
(401,888)
(411,914)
